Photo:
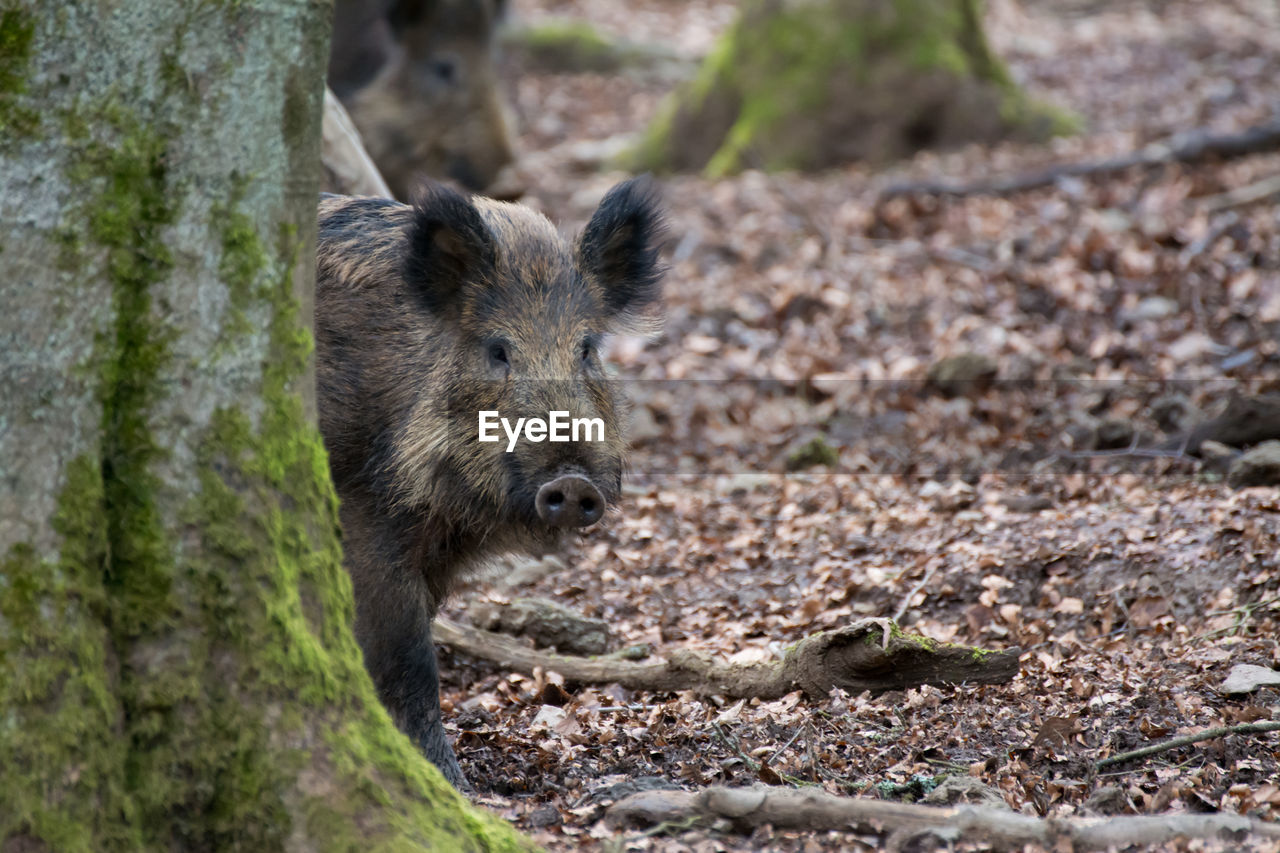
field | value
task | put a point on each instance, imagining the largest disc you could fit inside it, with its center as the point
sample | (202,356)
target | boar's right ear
(449,248)
(619,247)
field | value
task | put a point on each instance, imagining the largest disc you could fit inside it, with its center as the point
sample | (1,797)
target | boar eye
(445,70)
(498,355)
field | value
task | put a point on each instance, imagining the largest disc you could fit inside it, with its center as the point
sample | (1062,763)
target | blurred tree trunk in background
(806,84)
(177,669)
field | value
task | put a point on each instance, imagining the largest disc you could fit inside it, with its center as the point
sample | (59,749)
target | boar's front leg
(408,683)
(394,609)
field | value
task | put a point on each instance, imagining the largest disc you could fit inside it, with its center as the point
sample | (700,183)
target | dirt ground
(1115,312)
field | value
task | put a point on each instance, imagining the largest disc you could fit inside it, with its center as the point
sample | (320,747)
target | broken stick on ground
(1187,740)
(811,809)
(871,654)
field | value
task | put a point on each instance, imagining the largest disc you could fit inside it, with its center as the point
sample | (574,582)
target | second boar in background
(419,80)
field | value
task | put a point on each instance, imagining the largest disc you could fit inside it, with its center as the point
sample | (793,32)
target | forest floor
(1116,312)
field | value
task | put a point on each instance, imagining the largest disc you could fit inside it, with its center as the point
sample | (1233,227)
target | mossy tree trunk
(806,84)
(177,669)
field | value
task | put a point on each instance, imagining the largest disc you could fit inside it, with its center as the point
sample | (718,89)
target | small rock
(1151,308)
(952,497)
(966,373)
(1246,678)
(1026,503)
(1082,433)
(743,482)
(514,571)
(1108,800)
(1113,434)
(815,451)
(1173,412)
(548,816)
(643,426)
(597,153)
(1237,360)
(1216,457)
(1193,346)
(1259,467)
(965,789)
(1110,218)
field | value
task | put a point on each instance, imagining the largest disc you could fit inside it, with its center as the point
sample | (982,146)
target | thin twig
(1246,608)
(732,744)
(1242,614)
(906,601)
(668,827)
(784,747)
(1186,740)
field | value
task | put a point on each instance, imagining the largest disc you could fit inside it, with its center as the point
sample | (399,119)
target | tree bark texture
(177,669)
(807,84)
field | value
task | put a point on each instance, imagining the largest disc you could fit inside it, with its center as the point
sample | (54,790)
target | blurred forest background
(974,410)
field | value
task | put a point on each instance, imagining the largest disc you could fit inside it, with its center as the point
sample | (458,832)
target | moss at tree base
(808,84)
(179,670)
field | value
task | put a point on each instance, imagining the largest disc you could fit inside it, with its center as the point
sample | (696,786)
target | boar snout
(570,500)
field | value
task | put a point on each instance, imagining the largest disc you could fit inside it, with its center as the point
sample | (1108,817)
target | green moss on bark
(58,693)
(819,82)
(17,32)
(196,770)
(242,258)
(182,674)
(126,217)
(268,516)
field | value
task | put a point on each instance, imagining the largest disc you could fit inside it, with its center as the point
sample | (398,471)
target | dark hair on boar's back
(427,316)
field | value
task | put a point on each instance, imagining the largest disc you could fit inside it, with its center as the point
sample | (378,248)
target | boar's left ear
(619,247)
(449,248)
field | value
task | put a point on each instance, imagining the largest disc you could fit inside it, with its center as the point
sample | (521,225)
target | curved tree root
(810,809)
(871,654)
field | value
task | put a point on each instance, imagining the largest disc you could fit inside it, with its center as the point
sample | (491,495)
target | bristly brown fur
(425,316)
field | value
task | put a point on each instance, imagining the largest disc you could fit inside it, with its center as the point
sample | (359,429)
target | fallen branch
(871,654)
(1187,740)
(348,169)
(1240,196)
(1187,148)
(1246,421)
(810,809)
